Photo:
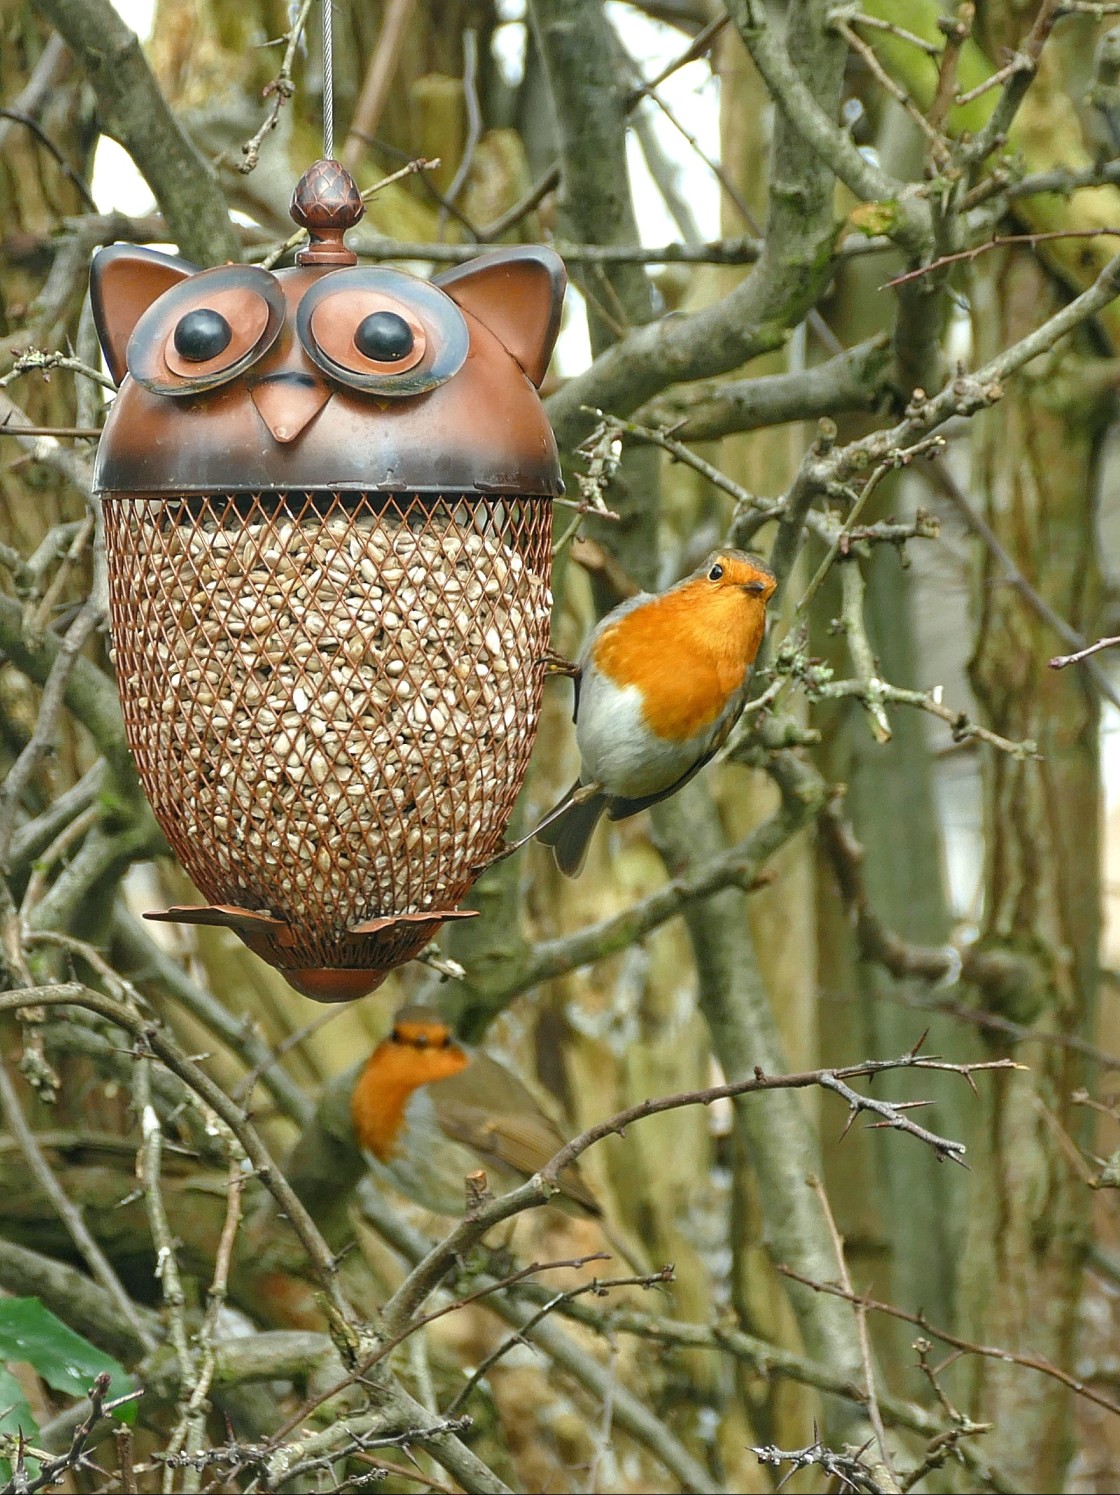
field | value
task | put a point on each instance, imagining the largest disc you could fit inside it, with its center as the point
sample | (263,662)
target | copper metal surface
(331,701)
(482,429)
(329,579)
(326,202)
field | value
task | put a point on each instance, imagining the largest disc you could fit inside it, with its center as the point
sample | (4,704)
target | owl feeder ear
(124,280)
(519,295)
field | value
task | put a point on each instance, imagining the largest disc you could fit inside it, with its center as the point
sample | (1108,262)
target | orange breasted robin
(428,1110)
(662,680)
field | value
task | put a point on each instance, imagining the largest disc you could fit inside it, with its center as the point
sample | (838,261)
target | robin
(428,1110)
(661,682)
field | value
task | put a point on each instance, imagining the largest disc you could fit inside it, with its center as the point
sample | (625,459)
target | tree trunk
(1029,1210)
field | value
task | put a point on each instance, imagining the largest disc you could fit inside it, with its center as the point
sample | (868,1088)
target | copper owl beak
(288,402)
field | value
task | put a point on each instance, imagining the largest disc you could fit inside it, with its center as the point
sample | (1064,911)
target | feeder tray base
(270,938)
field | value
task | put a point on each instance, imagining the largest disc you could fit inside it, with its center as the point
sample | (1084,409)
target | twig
(844,533)
(276,1052)
(280,90)
(851,623)
(938,474)
(44,360)
(547,182)
(698,47)
(762,1357)
(734,250)
(998,243)
(875,691)
(848,1469)
(1017,64)
(379,76)
(148,1165)
(429,1273)
(993,971)
(139,953)
(400,1331)
(420,163)
(68,1213)
(956,30)
(194,1414)
(70,833)
(731,191)
(49,71)
(17,116)
(876,23)
(75,1457)
(74,993)
(599,1288)
(67,431)
(54,693)
(474,115)
(75,553)
(940,146)
(989,1352)
(1060,661)
(1019,73)
(874,1415)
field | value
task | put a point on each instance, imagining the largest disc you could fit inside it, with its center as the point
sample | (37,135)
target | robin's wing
(487,1108)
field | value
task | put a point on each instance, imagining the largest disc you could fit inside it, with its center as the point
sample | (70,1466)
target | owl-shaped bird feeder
(327,500)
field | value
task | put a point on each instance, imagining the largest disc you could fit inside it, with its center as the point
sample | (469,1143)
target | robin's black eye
(395,1036)
(716,572)
(202,334)
(384,336)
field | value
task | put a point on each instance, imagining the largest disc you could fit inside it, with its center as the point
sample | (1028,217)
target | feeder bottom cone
(334,984)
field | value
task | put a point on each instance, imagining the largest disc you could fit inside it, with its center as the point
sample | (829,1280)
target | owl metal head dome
(327,513)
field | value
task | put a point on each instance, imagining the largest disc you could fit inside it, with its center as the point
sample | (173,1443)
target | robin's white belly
(430,1168)
(617,748)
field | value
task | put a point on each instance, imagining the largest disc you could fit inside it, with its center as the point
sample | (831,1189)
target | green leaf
(15,1417)
(65,1360)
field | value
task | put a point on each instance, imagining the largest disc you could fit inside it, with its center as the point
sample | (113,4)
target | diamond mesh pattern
(331,698)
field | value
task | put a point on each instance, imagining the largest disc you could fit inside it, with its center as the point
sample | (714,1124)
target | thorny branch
(849,1470)
(990,1352)
(430,1272)
(836,476)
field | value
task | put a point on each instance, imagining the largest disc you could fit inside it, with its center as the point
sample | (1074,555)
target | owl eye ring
(382,332)
(206,331)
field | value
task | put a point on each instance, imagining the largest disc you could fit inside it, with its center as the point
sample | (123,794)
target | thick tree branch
(135,113)
(857,379)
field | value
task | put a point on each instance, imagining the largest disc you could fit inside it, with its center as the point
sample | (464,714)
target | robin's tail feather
(569,828)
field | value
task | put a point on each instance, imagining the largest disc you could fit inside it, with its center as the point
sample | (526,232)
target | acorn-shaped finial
(326,202)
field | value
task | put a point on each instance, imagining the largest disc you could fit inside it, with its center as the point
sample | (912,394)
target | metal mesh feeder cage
(327,522)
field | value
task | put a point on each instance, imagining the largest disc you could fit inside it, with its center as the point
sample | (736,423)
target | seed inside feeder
(379,778)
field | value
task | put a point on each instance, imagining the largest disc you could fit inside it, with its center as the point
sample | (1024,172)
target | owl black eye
(202,334)
(384,336)
(716,572)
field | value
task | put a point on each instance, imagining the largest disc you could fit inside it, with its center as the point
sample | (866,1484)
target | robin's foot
(556,664)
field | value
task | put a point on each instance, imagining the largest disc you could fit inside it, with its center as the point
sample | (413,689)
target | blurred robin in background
(428,1110)
(661,682)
